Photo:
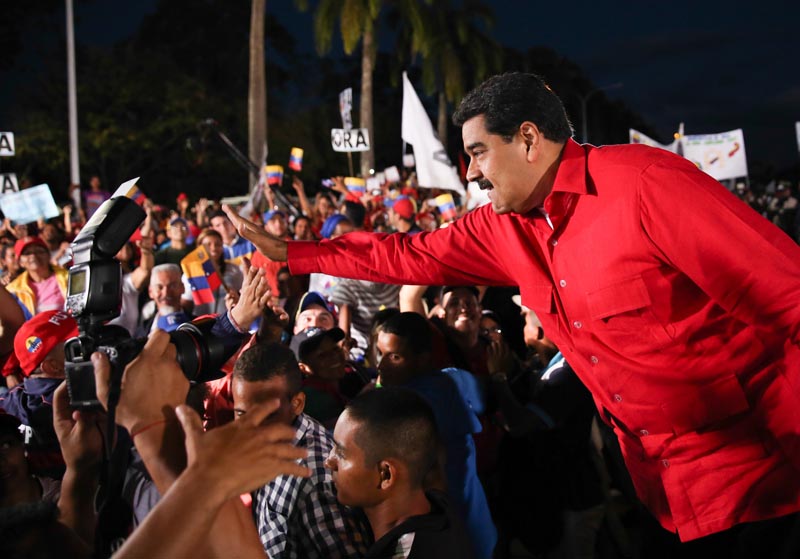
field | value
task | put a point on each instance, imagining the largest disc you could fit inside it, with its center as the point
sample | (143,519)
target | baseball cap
(404,207)
(330,225)
(312,298)
(38,336)
(25,242)
(306,342)
(178,221)
(181,197)
(272,213)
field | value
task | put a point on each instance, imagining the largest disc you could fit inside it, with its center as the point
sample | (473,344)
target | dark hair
(413,328)
(355,212)
(398,423)
(264,361)
(507,100)
(380,318)
(218,213)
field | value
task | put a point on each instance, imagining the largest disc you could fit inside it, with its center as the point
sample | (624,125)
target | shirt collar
(571,174)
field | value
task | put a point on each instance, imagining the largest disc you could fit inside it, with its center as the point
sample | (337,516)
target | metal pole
(72,100)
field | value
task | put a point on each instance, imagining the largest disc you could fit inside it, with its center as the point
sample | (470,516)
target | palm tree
(357,22)
(257,91)
(453,43)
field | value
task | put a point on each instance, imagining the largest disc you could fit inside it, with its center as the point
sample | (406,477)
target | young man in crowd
(386,448)
(405,359)
(235,247)
(177,233)
(295,517)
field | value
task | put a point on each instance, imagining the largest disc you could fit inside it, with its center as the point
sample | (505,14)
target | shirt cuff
(302,257)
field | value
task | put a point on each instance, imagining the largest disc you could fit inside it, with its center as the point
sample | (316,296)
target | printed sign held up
(7,144)
(350,140)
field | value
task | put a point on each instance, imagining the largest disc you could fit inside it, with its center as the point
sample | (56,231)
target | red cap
(38,336)
(404,207)
(181,197)
(25,242)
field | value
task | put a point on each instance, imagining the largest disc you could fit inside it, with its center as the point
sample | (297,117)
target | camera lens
(201,355)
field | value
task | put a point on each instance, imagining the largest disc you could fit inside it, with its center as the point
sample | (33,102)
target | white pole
(72,100)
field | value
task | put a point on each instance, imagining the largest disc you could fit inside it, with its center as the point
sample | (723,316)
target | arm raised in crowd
(305,205)
(82,447)
(222,463)
(141,274)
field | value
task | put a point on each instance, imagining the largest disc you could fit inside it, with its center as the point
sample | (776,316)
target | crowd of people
(411,395)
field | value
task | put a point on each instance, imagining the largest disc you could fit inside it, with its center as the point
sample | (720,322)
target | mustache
(485,184)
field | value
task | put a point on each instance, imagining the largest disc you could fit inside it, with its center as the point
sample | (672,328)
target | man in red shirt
(641,269)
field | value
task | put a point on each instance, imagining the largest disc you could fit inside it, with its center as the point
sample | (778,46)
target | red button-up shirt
(676,304)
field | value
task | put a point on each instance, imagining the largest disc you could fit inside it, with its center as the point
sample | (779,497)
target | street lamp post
(584,100)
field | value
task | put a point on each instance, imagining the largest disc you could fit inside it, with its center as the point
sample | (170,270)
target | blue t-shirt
(456,422)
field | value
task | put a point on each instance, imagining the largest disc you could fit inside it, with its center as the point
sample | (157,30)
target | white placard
(28,205)
(408,160)
(350,140)
(373,183)
(8,183)
(7,144)
(392,174)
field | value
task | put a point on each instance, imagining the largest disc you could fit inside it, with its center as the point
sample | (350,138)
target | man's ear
(305,369)
(298,403)
(387,471)
(530,135)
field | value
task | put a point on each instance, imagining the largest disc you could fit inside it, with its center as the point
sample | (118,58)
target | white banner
(6,144)
(28,205)
(8,183)
(350,140)
(636,137)
(434,169)
(720,155)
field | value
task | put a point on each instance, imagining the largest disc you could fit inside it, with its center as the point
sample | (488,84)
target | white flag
(636,137)
(434,169)
(720,155)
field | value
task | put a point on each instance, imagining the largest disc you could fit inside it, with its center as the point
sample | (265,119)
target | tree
(357,19)
(453,43)
(257,92)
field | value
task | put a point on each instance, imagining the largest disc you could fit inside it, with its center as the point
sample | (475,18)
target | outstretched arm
(270,246)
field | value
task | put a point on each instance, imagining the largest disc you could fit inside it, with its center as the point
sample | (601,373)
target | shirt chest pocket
(622,314)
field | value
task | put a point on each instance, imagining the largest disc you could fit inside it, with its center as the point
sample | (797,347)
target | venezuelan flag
(447,206)
(202,275)
(136,195)
(296,159)
(356,185)
(274,174)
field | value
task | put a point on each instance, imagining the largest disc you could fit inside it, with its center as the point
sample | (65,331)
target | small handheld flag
(356,185)
(202,275)
(296,159)
(447,207)
(274,175)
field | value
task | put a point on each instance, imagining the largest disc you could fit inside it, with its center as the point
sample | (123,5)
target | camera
(94,296)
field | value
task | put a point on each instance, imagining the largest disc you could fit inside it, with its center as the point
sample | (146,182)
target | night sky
(713,65)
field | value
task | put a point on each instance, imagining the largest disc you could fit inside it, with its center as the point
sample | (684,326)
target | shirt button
(644,432)
(594,360)
(554,242)
(665,463)
(577,324)
(563,283)
(617,398)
